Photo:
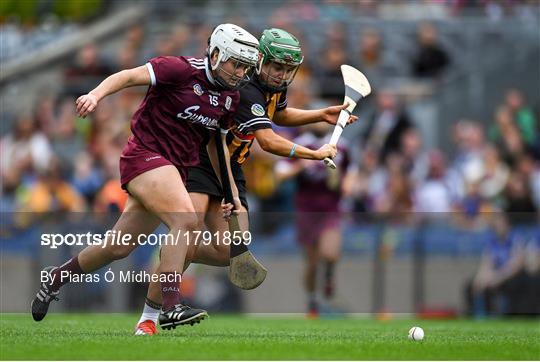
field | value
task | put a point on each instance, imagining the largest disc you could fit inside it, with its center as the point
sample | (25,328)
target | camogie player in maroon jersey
(318,212)
(262,101)
(186,98)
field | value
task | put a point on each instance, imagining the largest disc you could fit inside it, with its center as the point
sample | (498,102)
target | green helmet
(279,46)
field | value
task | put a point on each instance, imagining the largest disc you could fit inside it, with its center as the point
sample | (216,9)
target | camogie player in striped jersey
(263,101)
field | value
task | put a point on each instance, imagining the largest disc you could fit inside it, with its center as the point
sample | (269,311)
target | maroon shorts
(136,159)
(311,225)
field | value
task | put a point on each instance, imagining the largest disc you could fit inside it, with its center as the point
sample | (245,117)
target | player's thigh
(200,203)
(136,219)
(162,192)
(217,224)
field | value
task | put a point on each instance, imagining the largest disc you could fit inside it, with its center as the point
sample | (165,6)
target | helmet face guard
(229,79)
(276,83)
(281,54)
(237,53)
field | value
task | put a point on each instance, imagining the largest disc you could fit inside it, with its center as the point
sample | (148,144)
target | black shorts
(202,179)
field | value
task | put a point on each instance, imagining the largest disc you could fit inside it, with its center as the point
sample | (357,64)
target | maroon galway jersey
(180,107)
(313,192)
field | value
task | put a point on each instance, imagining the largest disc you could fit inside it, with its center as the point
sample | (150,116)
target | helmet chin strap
(208,70)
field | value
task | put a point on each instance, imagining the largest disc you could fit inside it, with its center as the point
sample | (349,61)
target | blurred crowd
(493,168)
(53,160)
(29,25)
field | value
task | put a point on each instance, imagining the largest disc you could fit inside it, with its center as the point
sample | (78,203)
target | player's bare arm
(126,78)
(273,143)
(294,117)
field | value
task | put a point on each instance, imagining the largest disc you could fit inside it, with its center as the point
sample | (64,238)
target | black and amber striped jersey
(255,111)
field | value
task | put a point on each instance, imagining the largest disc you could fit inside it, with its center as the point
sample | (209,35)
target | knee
(331,257)
(191,222)
(184,221)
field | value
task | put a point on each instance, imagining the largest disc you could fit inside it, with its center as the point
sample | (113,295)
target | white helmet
(233,42)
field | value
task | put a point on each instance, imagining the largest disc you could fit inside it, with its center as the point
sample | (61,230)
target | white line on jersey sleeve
(152,74)
(253,122)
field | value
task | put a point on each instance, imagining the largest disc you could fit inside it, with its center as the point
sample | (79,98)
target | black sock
(152,304)
(329,272)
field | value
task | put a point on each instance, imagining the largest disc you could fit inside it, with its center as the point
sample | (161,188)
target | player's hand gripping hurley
(356,87)
(245,271)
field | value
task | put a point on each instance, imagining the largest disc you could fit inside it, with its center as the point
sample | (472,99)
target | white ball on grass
(416,334)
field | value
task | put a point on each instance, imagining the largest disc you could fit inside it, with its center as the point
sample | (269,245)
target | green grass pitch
(100,336)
